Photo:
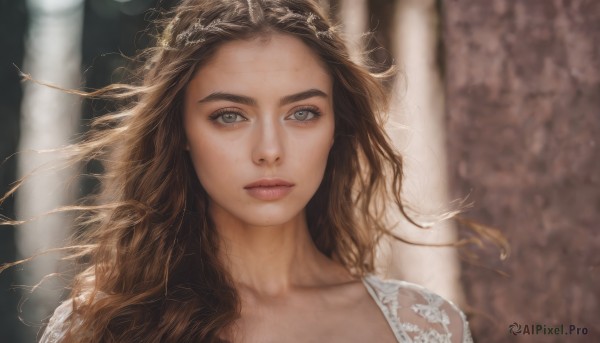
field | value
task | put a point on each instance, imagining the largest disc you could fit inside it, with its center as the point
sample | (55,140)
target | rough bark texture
(523,107)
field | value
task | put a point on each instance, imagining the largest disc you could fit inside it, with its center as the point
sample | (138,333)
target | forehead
(274,59)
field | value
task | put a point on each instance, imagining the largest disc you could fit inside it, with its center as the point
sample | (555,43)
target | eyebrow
(240,99)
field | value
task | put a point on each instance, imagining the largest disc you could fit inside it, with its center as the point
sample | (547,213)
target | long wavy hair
(149,248)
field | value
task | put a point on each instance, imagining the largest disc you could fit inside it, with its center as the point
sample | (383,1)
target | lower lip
(269,193)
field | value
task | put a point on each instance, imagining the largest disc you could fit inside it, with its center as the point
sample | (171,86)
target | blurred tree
(419,112)
(523,92)
(49,119)
(354,15)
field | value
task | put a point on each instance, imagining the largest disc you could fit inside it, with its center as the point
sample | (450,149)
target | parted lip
(269,183)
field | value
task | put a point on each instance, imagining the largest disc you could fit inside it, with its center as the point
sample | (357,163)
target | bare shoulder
(416,313)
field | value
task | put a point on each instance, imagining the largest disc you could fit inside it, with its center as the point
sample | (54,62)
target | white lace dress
(415,314)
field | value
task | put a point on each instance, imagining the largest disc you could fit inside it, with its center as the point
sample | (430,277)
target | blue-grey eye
(303,115)
(229,117)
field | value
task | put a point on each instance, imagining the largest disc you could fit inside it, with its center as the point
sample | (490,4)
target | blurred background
(498,100)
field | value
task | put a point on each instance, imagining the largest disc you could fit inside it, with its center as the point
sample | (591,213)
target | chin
(266,214)
(274,213)
(268,218)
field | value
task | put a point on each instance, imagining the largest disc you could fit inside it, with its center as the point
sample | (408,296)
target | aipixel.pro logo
(543,329)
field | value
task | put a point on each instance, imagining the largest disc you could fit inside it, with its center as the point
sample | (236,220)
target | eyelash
(312,109)
(218,114)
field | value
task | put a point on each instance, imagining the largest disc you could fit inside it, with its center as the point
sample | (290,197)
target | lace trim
(57,326)
(386,295)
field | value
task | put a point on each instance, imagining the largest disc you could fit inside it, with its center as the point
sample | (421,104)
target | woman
(243,195)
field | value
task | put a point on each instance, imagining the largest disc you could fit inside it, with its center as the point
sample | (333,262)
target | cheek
(213,162)
(312,152)
(326,139)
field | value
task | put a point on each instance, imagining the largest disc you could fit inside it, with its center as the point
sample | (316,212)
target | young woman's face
(259,122)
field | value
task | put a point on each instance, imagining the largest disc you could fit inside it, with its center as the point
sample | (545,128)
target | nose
(268,148)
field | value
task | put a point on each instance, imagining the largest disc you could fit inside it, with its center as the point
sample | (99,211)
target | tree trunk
(49,120)
(523,93)
(353,15)
(419,111)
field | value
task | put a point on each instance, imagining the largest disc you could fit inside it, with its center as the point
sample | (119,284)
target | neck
(273,260)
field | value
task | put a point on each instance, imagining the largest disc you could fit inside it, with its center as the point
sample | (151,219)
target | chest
(306,321)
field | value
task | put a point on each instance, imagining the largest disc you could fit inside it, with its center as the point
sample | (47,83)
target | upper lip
(270,182)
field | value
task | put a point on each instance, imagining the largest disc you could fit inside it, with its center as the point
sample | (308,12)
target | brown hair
(151,249)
